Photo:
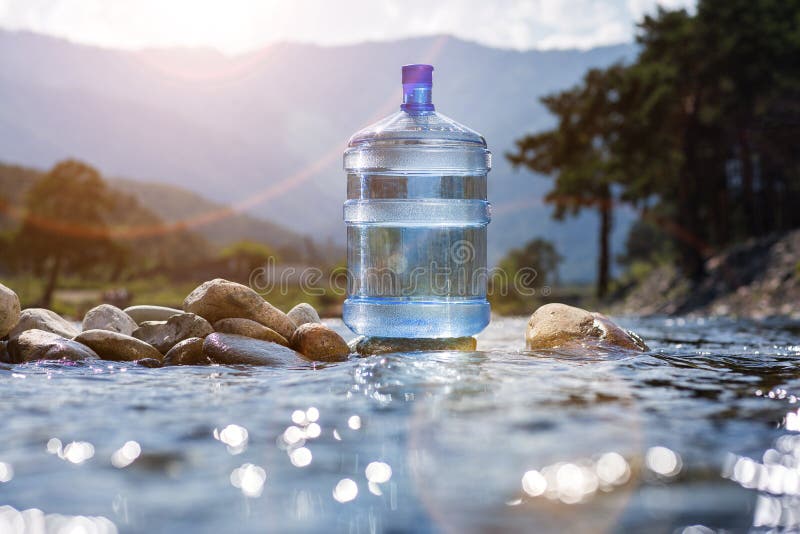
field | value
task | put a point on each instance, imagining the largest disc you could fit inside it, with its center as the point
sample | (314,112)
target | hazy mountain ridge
(278,119)
(171,204)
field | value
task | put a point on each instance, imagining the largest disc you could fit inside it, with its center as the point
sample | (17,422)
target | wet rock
(187,352)
(9,310)
(220,299)
(248,328)
(558,325)
(4,357)
(117,347)
(34,344)
(303,313)
(42,319)
(144,313)
(230,349)
(318,342)
(149,362)
(108,317)
(164,335)
(368,346)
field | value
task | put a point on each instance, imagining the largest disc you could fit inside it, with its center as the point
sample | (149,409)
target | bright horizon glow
(238,26)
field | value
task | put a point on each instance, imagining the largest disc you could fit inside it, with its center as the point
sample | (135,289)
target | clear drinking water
(416,215)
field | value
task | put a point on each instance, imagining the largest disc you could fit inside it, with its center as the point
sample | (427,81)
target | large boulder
(561,326)
(42,319)
(164,335)
(117,347)
(9,310)
(34,344)
(318,342)
(145,312)
(248,328)
(230,349)
(368,346)
(220,299)
(304,313)
(108,317)
(187,352)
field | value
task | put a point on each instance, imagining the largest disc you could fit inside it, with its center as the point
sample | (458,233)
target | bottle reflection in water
(416,215)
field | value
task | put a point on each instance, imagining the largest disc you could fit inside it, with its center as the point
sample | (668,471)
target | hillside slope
(215,222)
(265,131)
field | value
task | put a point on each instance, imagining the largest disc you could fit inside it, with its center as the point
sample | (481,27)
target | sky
(236,26)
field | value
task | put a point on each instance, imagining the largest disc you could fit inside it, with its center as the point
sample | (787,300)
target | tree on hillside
(578,152)
(243,257)
(64,226)
(699,132)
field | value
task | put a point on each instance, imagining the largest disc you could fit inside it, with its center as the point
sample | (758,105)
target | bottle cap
(417,74)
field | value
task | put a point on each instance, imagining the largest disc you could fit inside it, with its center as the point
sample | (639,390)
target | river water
(699,435)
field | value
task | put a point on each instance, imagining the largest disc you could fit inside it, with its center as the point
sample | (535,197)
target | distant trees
(243,257)
(64,227)
(526,271)
(699,132)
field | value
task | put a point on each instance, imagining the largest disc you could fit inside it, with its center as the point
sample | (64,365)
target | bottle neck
(417,98)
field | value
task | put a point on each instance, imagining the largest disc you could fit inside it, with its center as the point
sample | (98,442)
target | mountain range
(264,131)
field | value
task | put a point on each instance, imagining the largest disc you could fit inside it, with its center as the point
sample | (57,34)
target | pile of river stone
(223,322)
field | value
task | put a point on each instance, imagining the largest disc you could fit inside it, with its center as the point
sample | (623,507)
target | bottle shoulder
(416,128)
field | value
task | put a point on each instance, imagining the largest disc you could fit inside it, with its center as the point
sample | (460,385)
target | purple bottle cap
(418,74)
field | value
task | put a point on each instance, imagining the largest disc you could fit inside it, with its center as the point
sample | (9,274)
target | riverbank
(757,279)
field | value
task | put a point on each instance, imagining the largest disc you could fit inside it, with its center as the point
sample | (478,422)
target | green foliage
(64,226)
(243,257)
(700,129)
(526,274)
(646,244)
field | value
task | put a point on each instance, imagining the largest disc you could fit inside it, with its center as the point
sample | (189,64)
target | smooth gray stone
(42,319)
(117,347)
(164,335)
(187,352)
(35,344)
(230,349)
(560,326)
(144,312)
(9,310)
(221,299)
(368,346)
(318,342)
(248,328)
(108,317)
(304,313)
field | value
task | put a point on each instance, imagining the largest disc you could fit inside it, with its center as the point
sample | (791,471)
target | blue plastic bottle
(416,215)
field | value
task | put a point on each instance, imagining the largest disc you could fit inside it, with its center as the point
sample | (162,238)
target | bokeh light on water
(699,435)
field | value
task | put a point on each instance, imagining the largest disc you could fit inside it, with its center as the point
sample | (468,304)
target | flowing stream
(699,435)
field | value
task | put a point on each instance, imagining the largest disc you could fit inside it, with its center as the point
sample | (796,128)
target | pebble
(42,319)
(143,312)
(318,342)
(220,299)
(149,362)
(230,349)
(164,335)
(117,347)
(35,344)
(248,328)
(558,325)
(108,317)
(9,310)
(304,313)
(368,346)
(187,352)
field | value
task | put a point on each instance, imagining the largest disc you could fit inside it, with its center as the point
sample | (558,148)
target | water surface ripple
(701,434)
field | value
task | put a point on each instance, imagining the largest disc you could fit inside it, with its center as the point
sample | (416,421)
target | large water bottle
(416,215)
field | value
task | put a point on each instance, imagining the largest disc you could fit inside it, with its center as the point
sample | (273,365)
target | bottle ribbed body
(416,216)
